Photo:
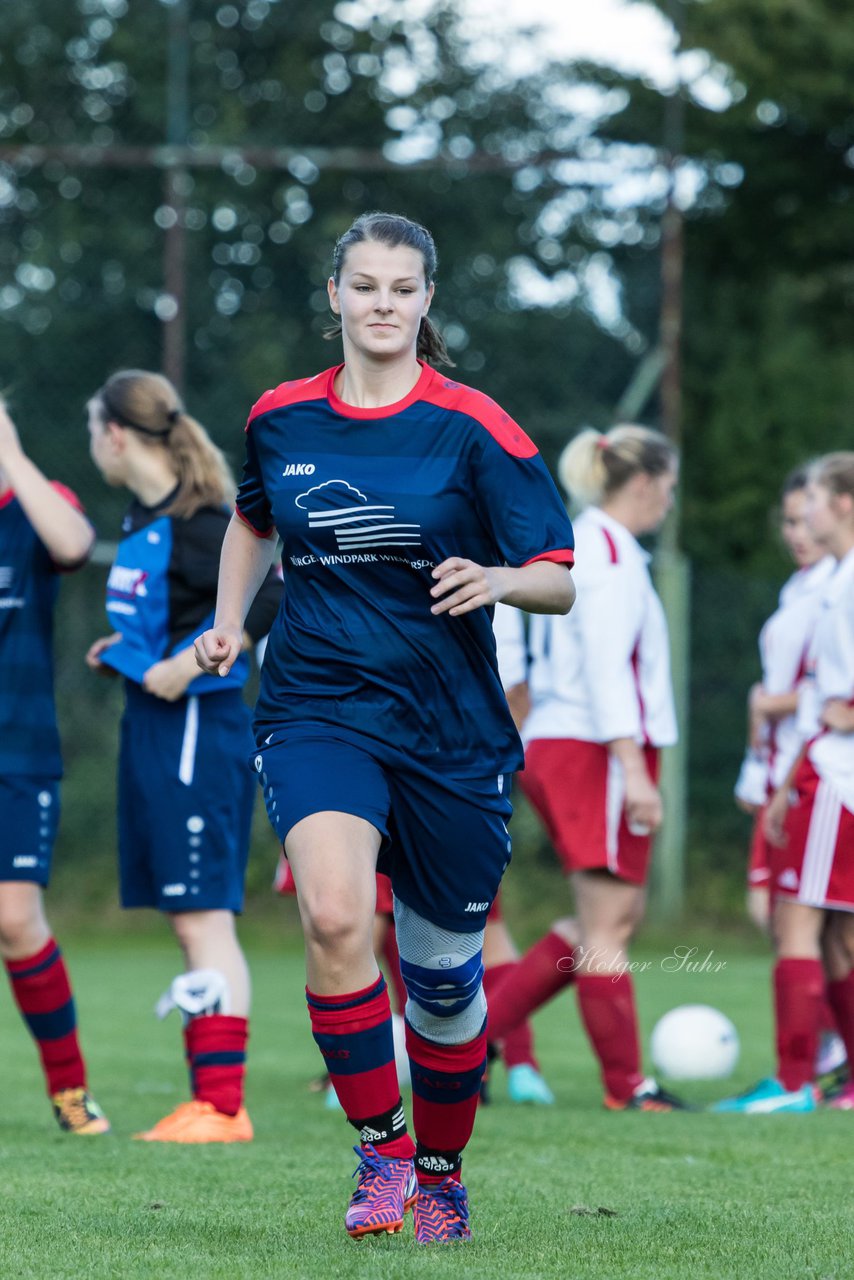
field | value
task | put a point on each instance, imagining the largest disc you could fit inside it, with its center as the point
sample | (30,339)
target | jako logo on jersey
(478,906)
(299,469)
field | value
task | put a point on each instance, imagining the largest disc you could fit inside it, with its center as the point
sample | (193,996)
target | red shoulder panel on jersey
(250,525)
(454,395)
(563,555)
(285,393)
(612,547)
(68,494)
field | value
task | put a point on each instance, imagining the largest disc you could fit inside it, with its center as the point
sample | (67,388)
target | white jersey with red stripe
(508,624)
(832,651)
(784,645)
(603,671)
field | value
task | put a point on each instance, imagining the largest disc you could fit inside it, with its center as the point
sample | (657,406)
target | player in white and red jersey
(783,648)
(601,709)
(810,824)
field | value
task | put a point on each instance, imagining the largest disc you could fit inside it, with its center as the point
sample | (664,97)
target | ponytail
(593,466)
(147,404)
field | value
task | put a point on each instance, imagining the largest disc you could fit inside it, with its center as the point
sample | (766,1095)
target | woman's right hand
(643,807)
(218,649)
(774,818)
(93,654)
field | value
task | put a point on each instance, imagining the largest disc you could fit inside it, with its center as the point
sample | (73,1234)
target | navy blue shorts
(445,841)
(29,818)
(185,801)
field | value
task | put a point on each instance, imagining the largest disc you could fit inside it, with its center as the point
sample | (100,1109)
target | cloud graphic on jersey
(328,484)
(356,523)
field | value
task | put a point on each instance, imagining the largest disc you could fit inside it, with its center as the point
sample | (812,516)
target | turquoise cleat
(525,1084)
(769,1096)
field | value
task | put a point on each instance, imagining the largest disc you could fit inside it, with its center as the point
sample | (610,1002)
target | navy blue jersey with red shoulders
(29,582)
(367,502)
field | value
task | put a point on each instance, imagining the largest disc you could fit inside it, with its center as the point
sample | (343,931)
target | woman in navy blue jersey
(185,791)
(408,505)
(43,532)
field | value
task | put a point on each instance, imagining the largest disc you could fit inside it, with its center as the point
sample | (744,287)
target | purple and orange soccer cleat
(442,1213)
(386,1189)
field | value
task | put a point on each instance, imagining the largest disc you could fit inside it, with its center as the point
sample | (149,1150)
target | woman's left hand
(838,715)
(170,678)
(463,586)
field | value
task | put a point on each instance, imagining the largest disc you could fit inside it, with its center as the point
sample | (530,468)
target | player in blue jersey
(43,532)
(185,791)
(408,505)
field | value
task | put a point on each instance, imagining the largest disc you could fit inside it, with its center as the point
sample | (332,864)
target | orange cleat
(198,1121)
(77,1112)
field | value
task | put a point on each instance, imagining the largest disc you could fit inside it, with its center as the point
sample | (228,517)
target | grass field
(691,1195)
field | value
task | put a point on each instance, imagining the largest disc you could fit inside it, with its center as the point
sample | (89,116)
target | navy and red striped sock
(215,1044)
(607,1005)
(446,1082)
(353,1032)
(42,992)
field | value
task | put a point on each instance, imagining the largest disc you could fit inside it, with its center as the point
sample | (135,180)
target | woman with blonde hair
(601,710)
(185,788)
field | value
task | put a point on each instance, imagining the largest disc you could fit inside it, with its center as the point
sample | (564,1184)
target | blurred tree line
(544,184)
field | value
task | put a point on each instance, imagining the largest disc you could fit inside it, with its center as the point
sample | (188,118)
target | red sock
(607,1005)
(216,1055)
(353,1032)
(517,1046)
(828,1021)
(391,955)
(840,996)
(798,997)
(542,972)
(441,1072)
(42,992)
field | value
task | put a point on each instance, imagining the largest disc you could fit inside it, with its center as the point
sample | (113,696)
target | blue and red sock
(215,1045)
(42,992)
(446,1082)
(353,1032)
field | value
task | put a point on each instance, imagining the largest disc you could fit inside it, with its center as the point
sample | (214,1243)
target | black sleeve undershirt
(193,576)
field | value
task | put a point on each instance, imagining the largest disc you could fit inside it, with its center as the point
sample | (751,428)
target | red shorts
(577,789)
(759,866)
(283,882)
(816,866)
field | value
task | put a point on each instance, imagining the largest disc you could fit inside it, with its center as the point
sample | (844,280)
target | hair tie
(172,416)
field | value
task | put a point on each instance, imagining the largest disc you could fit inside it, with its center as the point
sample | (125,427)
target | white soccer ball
(401,1057)
(694,1042)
